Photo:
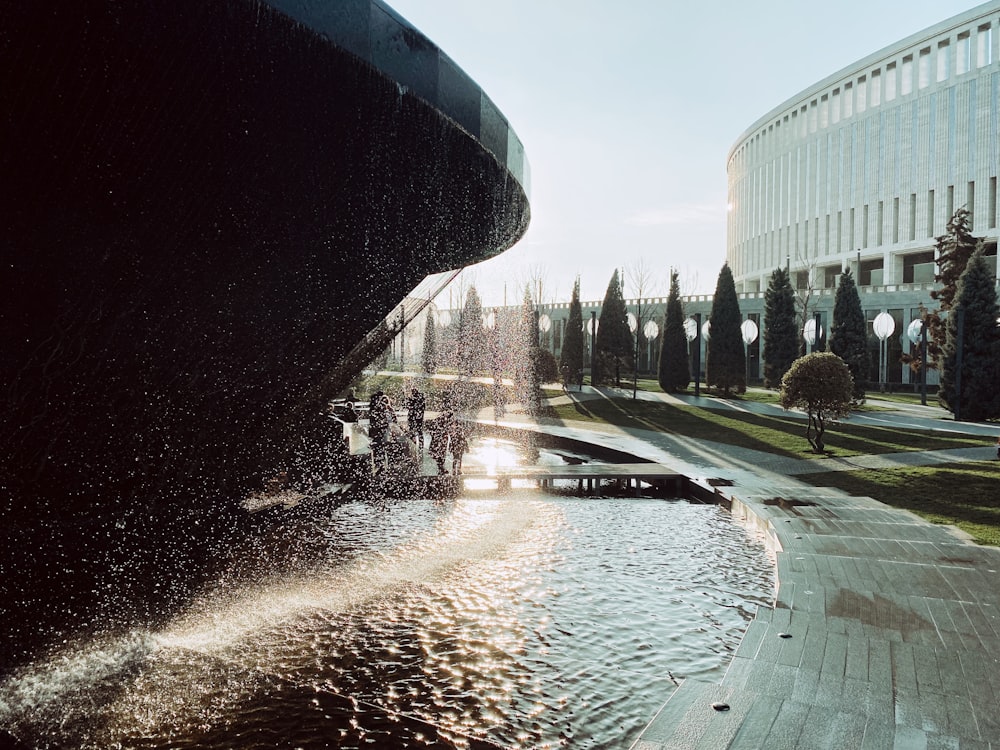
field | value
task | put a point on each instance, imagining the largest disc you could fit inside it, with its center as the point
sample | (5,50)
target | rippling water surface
(519,621)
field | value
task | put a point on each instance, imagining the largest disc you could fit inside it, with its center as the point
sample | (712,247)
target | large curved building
(864,169)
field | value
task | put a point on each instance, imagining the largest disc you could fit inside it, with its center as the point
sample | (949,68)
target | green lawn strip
(903,398)
(962,494)
(779,435)
(749,431)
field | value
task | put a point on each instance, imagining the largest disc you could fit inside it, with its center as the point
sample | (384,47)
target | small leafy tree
(571,358)
(613,342)
(849,333)
(976,302)
(675,370)
(640,281)
(781,337)
(429,357)
(819,383)
(725,359)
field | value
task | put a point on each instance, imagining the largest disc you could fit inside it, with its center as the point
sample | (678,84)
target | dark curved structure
(205,206)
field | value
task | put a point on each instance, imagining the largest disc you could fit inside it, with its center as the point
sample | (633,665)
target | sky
(628,110)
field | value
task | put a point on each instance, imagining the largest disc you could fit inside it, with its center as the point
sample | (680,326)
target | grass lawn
(964,494)
(784,436)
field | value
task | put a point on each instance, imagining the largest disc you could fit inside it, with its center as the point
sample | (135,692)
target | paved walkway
(885,630)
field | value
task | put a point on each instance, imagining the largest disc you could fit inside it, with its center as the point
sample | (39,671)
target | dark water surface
(519,621)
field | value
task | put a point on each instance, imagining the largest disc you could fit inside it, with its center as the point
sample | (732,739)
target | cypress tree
(429,358)
(614,343)
(954,248)
(976,300)
(571,358)
(471,339)
(725,360)
(674,372)
(781,338)
(526,380)
(849,333)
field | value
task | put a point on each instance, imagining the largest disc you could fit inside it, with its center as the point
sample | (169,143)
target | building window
(924,68)
(895,220)
(930,213)
(824,112)
(862,94)
(835,106)
(963,53)
(913,216)
(906,76)
(984,46)
(890,82)
(971,205)
(848,100)
(878,226)
(992,207)
(812,116)
(949,204)
(918,268)
(876,88)
(864,226)
(943,61)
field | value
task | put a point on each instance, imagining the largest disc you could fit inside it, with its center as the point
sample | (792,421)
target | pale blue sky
(627,111)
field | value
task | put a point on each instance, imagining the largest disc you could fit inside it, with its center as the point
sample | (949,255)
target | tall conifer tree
(429,357)
(571,357)
(781,339)
(614,341)
(725,359)
(977,397)
(526,381)
(954,248)
(849,332)
(471,339)
(674,372)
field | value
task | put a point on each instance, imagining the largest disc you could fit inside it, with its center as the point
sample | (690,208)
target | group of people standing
(390,444)
(447,433)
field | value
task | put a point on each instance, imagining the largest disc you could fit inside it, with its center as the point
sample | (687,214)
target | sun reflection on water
(521,620)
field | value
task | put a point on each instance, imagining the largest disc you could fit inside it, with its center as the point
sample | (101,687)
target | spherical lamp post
(651,330)
(592,328)
(749,331)
(883,325)
(916,332)
(692,326)
(812,332)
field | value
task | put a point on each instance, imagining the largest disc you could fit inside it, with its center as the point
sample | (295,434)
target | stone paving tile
(870,529)
(687,721)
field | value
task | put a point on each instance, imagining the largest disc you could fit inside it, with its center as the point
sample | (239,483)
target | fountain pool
(515,621)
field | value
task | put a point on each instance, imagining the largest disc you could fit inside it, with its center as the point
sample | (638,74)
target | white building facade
(864,169)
